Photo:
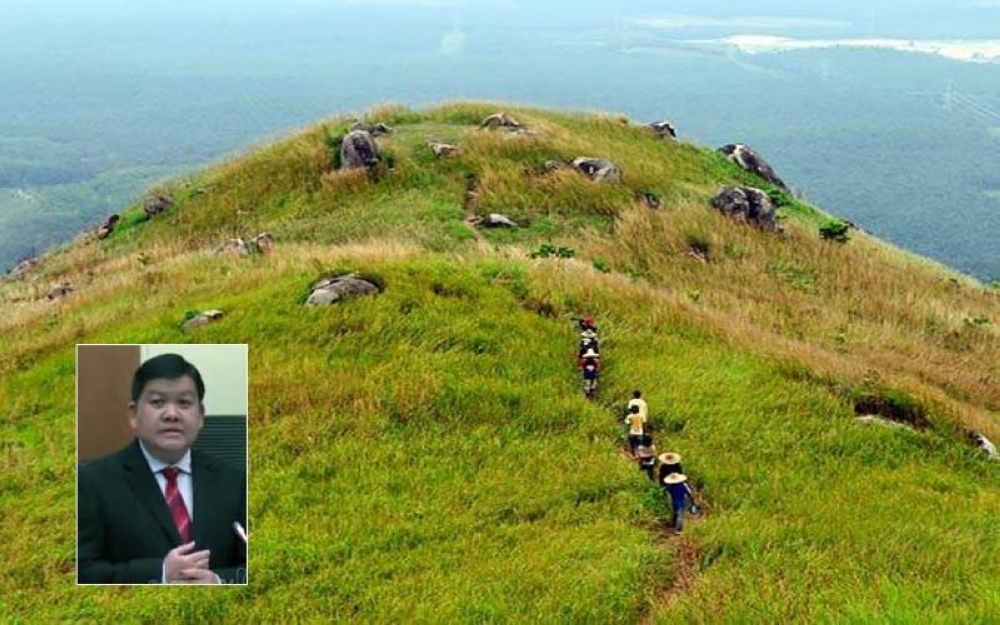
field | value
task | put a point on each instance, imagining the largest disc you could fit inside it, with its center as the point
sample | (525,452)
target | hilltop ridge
(426,454)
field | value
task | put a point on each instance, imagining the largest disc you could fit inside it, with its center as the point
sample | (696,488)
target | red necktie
(176,504)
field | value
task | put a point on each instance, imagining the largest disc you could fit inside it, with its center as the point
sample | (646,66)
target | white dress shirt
(184,485)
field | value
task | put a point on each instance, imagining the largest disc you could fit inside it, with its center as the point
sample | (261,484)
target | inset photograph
(162,464)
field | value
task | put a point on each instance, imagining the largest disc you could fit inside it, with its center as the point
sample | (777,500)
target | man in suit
(157,511)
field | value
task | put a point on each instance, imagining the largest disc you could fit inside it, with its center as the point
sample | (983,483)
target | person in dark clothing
(647,461)
(677,487)
(587,344)
(590,365)
(669,463)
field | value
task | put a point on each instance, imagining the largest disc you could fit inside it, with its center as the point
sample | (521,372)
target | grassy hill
(426,454)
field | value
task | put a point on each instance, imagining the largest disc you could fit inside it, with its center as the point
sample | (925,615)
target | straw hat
(670,458)
(675,478)
(645,452)
(590,353)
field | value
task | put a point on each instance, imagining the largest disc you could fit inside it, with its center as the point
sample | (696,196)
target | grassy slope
(426,454)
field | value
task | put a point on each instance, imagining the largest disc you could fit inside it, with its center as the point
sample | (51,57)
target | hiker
(647,461)
(636,424)
(588,344)
(588,335)
(637,400)
(590,364)
(677,487)
(669,463)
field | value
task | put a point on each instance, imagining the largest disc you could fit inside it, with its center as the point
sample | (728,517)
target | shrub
(699,243)
(548,250)
(834,230)
(780,197)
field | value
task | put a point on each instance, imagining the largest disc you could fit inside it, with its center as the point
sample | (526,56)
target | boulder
(330,290)
(749,160)
(358,150)
(496,220)
(234,247)
(878,420)
(598,169)
(749,204)
(554,164)
(649,200)
(375,130)
(156,204)
(105,229)
(663,130)
(500,120)
(60,290)
(442,149)
(260,244)
(203,319)
(984,444)
(264,242)
(23,268)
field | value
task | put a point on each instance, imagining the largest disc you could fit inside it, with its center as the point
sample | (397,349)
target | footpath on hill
(684,569)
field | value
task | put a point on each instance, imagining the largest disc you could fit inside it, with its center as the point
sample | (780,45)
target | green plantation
(426,454)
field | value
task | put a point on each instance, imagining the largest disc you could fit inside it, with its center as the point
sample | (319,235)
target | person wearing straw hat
(590,364)
(669,463)
(636,428)
(647,461)
(677,487)
(586,345)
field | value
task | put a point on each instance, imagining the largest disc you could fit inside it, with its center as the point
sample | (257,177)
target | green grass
(427,455)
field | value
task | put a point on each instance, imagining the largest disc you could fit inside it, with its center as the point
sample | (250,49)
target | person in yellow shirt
(637,400)
(636,428)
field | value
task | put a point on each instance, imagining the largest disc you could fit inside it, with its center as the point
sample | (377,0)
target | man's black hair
(634,409)
(165,366)
(637,394)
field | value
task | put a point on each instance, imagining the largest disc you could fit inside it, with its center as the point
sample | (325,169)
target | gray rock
(878,420)
(663,130)
(332,290)
(105,229)
(554,164)
(500,120)
(442,149)
(203,319)
(749,160)
(358,150)
(264,242)
(598,169)
(749,204)
(23,268)
(234,247)
(649,200)
(260,244)
(496,220)
(984,444)
(156,204)
(375,130)
(60,290)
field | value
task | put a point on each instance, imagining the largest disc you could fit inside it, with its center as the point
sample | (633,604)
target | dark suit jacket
(125,529)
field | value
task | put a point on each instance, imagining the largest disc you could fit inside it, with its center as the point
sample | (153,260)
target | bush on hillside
(548,250)
(834,230)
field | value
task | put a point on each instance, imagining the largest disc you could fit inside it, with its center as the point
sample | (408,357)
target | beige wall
(222,367)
